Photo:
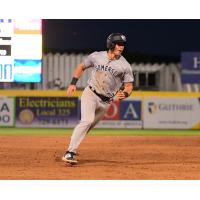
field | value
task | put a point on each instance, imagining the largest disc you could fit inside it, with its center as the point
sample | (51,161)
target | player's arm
(76,75)
(126,92)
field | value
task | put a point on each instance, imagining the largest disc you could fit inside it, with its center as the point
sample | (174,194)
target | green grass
(63,131)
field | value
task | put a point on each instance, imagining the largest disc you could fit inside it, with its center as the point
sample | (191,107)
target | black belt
(102,97)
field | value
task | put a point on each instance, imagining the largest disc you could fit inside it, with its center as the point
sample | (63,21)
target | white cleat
(70,157)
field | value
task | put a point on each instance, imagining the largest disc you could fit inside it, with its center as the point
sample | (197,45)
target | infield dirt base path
(101,158)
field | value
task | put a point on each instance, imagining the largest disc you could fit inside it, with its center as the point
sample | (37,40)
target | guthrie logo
(152,107)
(175,107)
(164,107)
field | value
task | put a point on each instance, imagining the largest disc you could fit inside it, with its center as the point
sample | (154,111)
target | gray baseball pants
(92,110)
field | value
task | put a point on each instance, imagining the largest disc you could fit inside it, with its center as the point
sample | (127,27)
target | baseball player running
(110,71)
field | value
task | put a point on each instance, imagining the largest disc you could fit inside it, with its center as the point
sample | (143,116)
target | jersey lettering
(106,68)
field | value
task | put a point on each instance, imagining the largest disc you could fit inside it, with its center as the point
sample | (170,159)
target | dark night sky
(155,37)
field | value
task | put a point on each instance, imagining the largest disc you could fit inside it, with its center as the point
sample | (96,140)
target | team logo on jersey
(106,69)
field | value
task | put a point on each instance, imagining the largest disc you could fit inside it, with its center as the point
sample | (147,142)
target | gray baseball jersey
(108,75)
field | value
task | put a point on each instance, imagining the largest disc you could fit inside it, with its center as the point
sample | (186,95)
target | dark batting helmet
(115,38)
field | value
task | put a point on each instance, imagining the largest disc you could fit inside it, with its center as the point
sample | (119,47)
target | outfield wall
(148,110)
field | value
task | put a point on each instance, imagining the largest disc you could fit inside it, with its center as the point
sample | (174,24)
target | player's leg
(88,107)
(89,118)
(100,112)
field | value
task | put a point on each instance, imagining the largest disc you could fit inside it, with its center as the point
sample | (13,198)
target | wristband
(74,81)
(126,94)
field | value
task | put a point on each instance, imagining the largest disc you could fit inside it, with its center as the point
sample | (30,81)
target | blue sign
(130,110)
(190,67)
(46,111)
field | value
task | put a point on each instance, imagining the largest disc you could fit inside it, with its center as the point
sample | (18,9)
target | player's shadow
(92,161)
(99,162)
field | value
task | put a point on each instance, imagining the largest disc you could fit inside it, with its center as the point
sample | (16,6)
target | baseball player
(110,71)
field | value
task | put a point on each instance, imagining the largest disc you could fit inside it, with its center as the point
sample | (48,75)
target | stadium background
(155,68)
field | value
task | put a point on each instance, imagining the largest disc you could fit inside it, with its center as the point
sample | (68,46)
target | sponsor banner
(171,113)
(56,112)
(113,112)
(130,110)
(6,111)
(190,67)
(123,114)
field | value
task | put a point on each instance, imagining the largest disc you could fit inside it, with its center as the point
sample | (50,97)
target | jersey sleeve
(88,62)
(128,76)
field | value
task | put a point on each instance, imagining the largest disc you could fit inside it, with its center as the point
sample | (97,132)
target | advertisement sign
(113,113)
(123,114)
(172,112)
(190,67)
(6,111)
(46,111)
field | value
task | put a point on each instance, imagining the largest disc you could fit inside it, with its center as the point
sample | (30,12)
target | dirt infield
(101,158)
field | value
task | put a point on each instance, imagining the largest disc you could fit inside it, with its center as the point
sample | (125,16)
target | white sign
(172,112)
(6,111)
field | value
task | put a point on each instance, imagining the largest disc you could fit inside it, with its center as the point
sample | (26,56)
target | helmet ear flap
(112,45)
(109,43)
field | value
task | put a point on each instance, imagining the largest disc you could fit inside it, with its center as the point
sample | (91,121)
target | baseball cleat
(70,157)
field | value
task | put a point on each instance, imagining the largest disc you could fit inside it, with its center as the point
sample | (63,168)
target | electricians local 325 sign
(6,111)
